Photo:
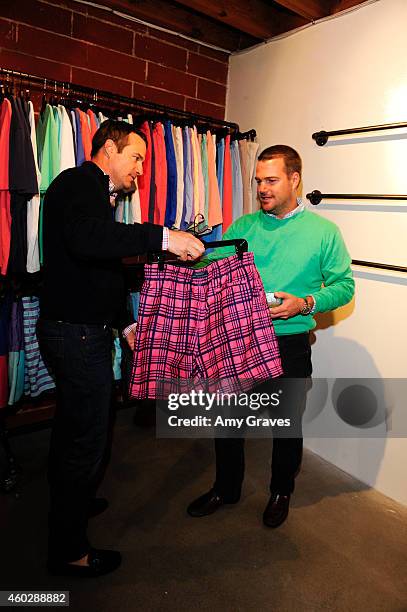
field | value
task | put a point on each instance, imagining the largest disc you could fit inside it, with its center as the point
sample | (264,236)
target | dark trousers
(79,357)
(295,351)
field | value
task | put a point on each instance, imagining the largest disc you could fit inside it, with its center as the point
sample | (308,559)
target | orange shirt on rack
(93,124)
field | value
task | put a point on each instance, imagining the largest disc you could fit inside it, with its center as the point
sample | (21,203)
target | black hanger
(240,245)
(163,257)
(44,99)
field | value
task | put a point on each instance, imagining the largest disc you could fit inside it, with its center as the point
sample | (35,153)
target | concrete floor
(343,547)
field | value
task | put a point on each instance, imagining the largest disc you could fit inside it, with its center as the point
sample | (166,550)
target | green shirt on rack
(48,159)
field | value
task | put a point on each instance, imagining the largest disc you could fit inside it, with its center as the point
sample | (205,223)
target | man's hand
(185,245)
(131,337)
(290,307)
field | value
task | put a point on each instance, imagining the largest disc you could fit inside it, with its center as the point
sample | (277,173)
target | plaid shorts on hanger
(206,328)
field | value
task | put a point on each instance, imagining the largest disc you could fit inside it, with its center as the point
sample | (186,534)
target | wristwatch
(308,306)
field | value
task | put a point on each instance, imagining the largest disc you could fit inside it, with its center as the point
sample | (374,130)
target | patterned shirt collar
(300,207)
(112,188)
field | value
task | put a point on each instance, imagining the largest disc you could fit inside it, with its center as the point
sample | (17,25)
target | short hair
(291,158)
(118,131)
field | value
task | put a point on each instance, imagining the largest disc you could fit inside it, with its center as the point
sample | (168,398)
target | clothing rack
(96,97)
(322,137)
(249,135)
(316,196)
(380,266)
(20,83)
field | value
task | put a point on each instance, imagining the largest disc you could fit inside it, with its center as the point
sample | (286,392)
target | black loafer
(276,510)
(208,503)
(100,562)
(97,505)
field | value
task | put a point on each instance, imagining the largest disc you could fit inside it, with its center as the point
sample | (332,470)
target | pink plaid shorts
(203,326)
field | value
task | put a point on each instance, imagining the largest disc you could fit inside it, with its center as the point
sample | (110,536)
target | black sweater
(83,247)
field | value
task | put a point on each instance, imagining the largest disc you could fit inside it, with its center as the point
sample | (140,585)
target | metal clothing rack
(316,196)
(97,97)
(322,137)
(15,81)
(380,266)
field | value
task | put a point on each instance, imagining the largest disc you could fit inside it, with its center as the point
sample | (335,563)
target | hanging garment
(202,326)
(5,216)
(22,185)
(5,314)
(201,182)
(67,150)
(134,304)
(179,157)
(16,355)
(58,122)
(214,203)
(160,174)
(48,159)
(85,133)
(144,181)
(171,204)
(116,357)
(48,148)
(92,121)
(37,378)
(188,208)
(151,203)
(220,162)
(227,187)
(195,175)
(205,176)
(248,151)
(33,205)
(237,186)
(80,153)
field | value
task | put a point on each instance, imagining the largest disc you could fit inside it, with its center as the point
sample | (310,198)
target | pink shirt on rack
(5,216)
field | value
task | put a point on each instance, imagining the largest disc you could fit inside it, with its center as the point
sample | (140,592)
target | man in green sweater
(303,260)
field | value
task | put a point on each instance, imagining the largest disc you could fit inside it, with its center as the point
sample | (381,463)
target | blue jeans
(80,359)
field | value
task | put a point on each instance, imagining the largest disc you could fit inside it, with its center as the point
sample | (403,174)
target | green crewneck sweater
(302,255)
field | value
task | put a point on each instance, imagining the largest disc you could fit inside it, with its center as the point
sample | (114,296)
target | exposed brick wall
(68,41)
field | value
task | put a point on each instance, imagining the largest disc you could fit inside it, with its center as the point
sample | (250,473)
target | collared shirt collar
(112,188)
(300,207)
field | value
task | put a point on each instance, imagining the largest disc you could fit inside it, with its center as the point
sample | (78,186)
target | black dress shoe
(276,510)
(97,505)
(100,562)
(208,504)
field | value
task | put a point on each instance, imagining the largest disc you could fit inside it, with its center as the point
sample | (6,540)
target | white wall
(346,72)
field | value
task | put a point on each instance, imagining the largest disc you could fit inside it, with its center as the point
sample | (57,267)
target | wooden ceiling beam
(310,9)
(254,17)
(169,15)
(342,5)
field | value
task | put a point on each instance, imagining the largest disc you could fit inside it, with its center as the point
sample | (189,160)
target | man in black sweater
(83,296)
